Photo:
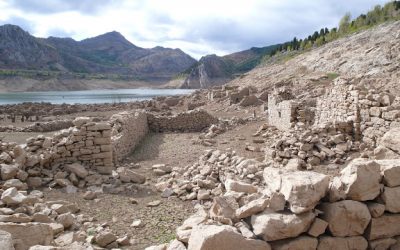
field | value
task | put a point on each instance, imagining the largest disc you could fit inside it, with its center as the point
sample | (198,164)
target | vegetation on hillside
(389,12)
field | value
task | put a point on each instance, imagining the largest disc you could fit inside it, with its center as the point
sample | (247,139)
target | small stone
(133,201)
(203,194)
(318,227)
(67,220)
(105,238)
(89,195)
(376,209)
(155,203)
(137,223)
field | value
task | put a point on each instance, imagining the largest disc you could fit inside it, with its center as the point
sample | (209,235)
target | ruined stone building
(284,112)
(370,112)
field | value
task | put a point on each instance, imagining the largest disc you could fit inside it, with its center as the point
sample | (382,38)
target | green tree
(344,23)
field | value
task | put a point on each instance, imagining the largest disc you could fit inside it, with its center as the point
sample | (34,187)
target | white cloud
(197,27)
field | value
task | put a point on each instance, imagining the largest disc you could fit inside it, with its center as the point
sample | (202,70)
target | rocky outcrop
(213,70)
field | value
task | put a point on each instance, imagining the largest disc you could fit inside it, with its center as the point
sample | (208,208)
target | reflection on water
(89,96)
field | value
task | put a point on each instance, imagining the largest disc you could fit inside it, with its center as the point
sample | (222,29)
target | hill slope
(370,57)
(109,53)
(214,70)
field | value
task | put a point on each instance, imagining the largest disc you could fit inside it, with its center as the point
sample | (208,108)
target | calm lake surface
(89,96)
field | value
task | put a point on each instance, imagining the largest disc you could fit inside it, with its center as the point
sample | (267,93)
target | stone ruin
(97,145)
(346,119)
(370,112)
(285,112)
(277,208)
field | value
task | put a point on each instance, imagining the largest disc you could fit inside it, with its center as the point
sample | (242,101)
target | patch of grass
(332,75)
(165,237)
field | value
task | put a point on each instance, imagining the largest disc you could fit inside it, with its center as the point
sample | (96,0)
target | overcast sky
(197,27)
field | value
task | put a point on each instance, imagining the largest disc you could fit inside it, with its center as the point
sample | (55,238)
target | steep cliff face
(214,70)
(109,53)
(210,71)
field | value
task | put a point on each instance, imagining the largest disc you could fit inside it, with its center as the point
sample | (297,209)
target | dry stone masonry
(293,209)
(128,130)
(193,121)
(370,112)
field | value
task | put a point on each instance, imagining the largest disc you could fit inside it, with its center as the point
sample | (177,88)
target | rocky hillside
(213,70)
(109,53)
(370,58)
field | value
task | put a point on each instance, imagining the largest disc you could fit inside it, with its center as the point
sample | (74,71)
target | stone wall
(287,114)
(371,112)
(39,126)
(88,143)
(358,209)
(128,130)
(191,121)
(281,114)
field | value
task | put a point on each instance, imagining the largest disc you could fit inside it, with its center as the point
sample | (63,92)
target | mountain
(369,58)
(109,53)
(213,70)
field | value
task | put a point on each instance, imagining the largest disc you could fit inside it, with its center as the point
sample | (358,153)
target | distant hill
(109,53)
(214,70)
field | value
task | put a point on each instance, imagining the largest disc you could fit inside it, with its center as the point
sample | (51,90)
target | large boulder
(360,180)
(299,243)
(303,190)
(381,153)
(390,170)
(391,198)
(210,237)
(386,226)
(221,209)
(26,235)
(184,231)
(391,140)
(346,218)
(6,241)
(382,244)
(272,226)
(342,243)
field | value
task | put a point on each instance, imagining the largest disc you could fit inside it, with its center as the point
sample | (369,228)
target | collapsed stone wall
(191,121)
(88,143)
(39,126)
(371,112)
(358,209)
(128,130)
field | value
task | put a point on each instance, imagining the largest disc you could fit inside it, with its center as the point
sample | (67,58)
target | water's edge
(89,96)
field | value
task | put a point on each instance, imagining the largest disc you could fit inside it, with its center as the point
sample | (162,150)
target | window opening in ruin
(279,114)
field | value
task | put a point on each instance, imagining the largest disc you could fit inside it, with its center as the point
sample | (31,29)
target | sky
(197,27)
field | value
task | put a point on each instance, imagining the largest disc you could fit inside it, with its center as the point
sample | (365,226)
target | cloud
(55,6)
(197,27)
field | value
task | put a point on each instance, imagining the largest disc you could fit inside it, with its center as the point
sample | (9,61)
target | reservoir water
(89,96)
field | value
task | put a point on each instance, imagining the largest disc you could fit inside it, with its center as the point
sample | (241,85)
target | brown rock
(346,218)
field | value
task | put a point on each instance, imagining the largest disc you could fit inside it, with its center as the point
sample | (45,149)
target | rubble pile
(356,210)
(207,178)
(310,147)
